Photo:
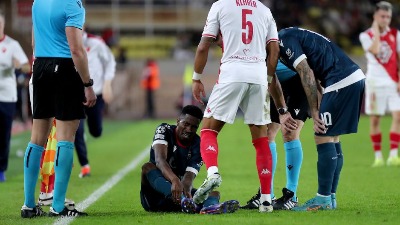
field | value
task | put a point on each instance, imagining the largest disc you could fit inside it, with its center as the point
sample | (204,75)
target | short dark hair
(383,5)
(193,111)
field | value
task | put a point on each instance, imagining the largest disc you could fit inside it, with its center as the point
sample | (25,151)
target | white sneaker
(45,199)
(265,207)
(209,184)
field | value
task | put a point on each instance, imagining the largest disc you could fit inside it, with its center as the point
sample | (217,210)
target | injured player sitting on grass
(175,160)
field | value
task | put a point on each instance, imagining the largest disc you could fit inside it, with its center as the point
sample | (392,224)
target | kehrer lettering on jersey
(246,2)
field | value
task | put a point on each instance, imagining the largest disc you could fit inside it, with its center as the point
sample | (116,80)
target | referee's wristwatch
(88,84)
(282,111)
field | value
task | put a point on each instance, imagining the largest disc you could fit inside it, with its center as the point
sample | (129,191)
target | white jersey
(246,27)
(101,61)
(382,70)
(10,50)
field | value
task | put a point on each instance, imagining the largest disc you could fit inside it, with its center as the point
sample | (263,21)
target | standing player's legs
(95,117)
(7,110)
(394,136)
(294,159)
(81,149)
(69,110)
(339,119)
(256,109)
(40,130)
(95,124)
(221,108)
(80,144)
(273,129)
(43,112)
(298,108)
(376,101)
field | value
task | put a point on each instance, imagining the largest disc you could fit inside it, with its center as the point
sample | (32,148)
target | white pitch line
(105,187)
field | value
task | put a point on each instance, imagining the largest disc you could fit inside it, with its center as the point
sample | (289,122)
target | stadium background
(169,31)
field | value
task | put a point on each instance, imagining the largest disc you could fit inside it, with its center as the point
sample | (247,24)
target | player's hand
(375,28)
(187,193)
(287,122)
(107,94)
(198,91)
(176,190)
(90,97)
(319,125)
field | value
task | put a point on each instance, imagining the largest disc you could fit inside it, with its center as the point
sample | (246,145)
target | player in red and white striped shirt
(382,46)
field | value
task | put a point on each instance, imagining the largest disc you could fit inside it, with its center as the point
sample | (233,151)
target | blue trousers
(7,110)
(94,117)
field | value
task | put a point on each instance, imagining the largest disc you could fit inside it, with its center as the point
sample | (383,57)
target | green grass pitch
(365,195)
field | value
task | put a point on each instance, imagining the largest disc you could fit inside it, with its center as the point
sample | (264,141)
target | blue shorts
(341,109)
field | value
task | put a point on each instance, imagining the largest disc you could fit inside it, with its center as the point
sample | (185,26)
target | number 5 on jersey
(247,26)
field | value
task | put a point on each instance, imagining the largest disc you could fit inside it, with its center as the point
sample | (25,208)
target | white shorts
(252,99)
(378,100)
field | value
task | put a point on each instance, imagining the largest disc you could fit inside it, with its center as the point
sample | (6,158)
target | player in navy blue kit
(175,160)
(318,60)
(297,106)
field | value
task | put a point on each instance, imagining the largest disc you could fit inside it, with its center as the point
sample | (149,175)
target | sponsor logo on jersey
(159,136)
(289,53)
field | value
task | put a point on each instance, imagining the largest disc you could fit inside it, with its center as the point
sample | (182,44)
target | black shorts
(296,100)
(58,90)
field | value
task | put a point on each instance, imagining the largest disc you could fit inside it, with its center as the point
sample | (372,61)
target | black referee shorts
(58,90)
(296,100)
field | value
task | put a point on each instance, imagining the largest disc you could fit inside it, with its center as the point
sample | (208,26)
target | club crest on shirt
(4,49)
(160,130)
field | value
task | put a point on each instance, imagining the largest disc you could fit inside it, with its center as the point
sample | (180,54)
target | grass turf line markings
(106,186)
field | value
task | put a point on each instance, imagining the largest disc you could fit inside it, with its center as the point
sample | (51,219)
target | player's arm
(78,52)
(160,155)
(20,61)
(274,86)
(187,182)
(311,89)
(376,39)
(109,65)
(200,61)
(273,82)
